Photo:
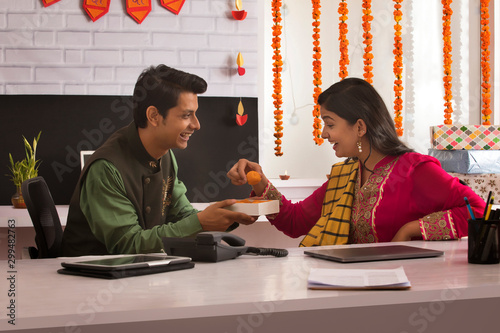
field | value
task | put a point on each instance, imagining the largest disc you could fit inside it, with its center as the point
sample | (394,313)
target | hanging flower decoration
(317,72)
(277,68)
(398,68)
(485,62)
(367,56)
(448,96)
(344,42)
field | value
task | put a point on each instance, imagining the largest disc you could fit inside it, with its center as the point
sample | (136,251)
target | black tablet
(127,262)
(124,266)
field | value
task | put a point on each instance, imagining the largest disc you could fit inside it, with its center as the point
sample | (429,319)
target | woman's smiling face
(342,135)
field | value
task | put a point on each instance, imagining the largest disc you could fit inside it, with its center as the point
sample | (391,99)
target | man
(128,196)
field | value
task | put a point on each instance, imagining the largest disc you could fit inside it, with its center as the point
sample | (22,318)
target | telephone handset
(209,246)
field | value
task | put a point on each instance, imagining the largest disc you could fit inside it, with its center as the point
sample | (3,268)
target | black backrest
(44,216)
(71,123)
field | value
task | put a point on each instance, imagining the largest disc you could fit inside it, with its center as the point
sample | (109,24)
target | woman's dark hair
(160,87)
(353,99)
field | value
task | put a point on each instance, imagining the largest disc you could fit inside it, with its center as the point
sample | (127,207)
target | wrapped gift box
(468,161)
(482,184)
(255,207)
(453,137)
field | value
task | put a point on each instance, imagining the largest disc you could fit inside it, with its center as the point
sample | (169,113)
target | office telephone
(209,246)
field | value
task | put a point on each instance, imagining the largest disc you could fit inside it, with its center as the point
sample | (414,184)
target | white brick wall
(59,50)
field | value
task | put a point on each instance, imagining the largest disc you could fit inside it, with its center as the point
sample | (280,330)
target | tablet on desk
(130,265)
(373,253)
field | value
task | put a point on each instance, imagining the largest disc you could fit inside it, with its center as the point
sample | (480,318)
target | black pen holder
(484,247)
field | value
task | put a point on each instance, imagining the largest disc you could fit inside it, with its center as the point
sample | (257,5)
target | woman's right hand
(238,175)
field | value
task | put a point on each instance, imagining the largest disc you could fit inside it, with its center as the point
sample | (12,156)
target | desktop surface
(250,292)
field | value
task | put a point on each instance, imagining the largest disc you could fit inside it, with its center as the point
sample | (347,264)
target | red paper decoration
(239,62)
(241,118)
(239,14)
(96,8)
(138,9)
(174,6)
(47,3)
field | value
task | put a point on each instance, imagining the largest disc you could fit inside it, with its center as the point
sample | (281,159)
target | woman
(383,191)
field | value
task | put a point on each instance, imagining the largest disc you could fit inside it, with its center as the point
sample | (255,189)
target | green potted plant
(24,169)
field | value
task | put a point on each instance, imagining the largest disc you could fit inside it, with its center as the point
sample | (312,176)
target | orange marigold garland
(485,62)
(367,56)
(447,12)
(317,72)
(398,68)
(344,42)
(277,68)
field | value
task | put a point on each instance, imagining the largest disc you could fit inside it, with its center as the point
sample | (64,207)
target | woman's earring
(358,144)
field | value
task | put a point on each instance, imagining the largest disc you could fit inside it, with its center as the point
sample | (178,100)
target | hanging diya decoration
(241,118)
(239,62)
(47,3)
(174,6)
(96,8)
(239,14)
(138,9)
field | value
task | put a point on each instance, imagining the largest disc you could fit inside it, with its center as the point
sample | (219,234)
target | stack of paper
(328,278)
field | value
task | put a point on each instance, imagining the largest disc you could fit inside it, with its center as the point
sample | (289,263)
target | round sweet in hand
(253,178)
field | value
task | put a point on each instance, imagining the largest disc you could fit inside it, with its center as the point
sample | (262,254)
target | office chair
(43,213)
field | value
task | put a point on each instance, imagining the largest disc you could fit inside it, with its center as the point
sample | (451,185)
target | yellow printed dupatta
(333,225)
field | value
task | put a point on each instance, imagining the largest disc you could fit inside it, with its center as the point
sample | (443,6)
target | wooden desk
(258,294)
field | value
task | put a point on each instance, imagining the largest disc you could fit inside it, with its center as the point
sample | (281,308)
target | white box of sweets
(255,207)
